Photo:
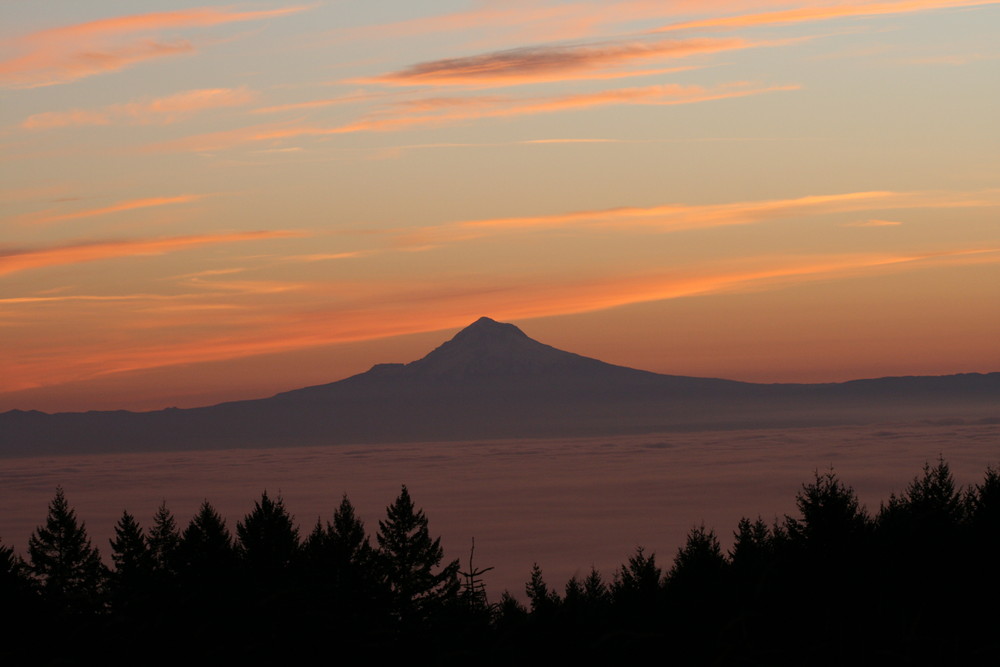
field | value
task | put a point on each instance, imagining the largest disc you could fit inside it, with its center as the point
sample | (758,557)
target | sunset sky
(211,202)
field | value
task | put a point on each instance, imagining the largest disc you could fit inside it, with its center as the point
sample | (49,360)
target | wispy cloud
(163,110)
(68,53)
(953,59)
(538,20)
(438,111)
(522,21)
(873,222)
(252,287)
(318,104)
(99,298)
(327,256)
(395,308)
(13,261)
(678,217)
(823,13)
(553,63)
(128,205)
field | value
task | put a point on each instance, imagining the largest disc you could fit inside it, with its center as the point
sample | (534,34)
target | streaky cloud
(823,12)
(128,205)
(552,63)
(394,308)
(680,217)
(439,111)
(14,261)
(162,110)
(874,222)
(67,53)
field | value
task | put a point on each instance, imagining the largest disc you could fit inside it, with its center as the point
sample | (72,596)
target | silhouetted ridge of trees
(914,583)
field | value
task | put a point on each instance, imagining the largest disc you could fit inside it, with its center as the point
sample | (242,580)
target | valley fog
(567,504)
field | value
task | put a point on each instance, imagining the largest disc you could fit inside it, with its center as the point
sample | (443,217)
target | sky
(209,202)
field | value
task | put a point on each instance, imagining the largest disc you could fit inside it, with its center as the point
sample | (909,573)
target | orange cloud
(129,205)
(508,14)
(874,222)
(953,59)
(214,141)
(163,110)
(446,110)
(13,261)
(823,13)
(315,104)
(50,64)
(677,217)
(21,300)
(50,119)
(537,21)
(67,53)
(396,308)
(551,63)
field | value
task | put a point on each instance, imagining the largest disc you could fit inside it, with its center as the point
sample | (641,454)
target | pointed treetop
(62,558)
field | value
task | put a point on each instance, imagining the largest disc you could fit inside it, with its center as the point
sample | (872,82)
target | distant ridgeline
(914,583)
(492,381)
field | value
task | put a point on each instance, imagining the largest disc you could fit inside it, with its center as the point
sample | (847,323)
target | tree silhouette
(163,541)
(348,542)
(14,582)
(341,575)
(206,551)
(983,509)
(752,543)
(408,557)
(700,561)
(63,560)
(831,520)
(595,591)
(133,563)
(339,554)
(268,539)
(923,537)
(544,601)
(929,510)
(636,584)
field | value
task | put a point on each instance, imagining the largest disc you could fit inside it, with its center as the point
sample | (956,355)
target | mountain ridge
(491,380)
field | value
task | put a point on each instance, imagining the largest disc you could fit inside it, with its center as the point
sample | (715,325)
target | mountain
(493,381)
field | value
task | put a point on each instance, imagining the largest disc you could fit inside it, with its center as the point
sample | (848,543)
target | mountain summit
(490,349)
(486,330)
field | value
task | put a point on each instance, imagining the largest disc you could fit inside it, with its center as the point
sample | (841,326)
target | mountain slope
(493,381)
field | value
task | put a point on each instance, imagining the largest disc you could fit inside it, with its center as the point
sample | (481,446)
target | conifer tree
(63,561)
(314,546)
(832,519)
(206,549)
(346,535)
(268,538)
(637,584)
(931,505)
(752,543)
(14,582)
(594,589)
(641,572)
(573,593)
(163,541)
(351,560)
(699,567)
(983,503)
(130,553)
(408,557)
(700,556)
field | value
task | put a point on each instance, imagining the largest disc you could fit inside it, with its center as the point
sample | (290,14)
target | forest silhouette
(910,584)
